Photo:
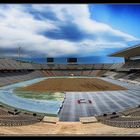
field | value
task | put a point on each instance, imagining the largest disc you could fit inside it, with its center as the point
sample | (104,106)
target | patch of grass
(57,96)
(51,115)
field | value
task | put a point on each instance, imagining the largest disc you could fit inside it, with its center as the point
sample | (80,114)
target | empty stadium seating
(53,73)
(132,64)
(9,77)
(12,71)
(14,119)
(129,118)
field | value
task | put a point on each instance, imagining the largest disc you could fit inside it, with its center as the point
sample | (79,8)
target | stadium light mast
(19,51)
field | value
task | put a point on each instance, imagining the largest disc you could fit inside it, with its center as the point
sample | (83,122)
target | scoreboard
(72,60)
(50,60)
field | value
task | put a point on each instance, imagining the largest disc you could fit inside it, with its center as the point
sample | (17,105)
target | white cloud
(79,14)
(16,18)
(18,26)
(65,11)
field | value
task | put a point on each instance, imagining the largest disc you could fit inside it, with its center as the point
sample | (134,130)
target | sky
(68,30)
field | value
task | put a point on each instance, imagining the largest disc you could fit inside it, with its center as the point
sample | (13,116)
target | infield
(72,84)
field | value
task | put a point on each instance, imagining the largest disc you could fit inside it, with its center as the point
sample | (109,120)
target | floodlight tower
(19,52)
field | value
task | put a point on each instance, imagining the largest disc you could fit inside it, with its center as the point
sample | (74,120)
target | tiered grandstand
(12,71)
(10,117)
(14,76)
(130,70)
(129,118)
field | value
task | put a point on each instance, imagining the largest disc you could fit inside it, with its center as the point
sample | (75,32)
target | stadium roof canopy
(128,52)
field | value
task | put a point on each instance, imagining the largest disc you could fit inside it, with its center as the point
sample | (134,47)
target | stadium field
(72,84)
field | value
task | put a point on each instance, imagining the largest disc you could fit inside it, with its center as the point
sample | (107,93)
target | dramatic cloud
(55,30)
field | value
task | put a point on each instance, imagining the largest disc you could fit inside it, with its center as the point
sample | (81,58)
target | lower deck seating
(127,119)
(11,118)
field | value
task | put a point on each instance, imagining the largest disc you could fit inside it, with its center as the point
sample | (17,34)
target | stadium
(70,98)
(93,93)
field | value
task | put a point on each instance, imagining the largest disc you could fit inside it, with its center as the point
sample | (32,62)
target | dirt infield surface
(72,84)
